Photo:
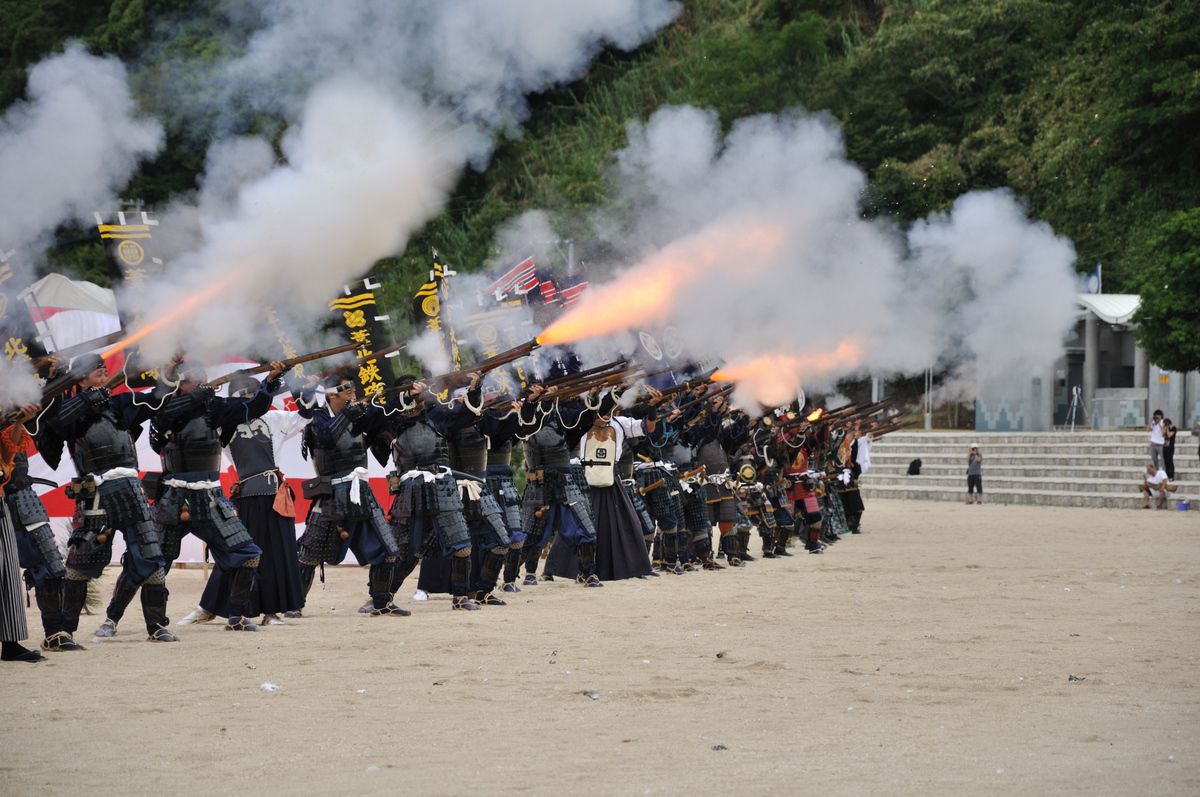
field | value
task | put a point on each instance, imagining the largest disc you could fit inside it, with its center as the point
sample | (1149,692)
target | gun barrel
(290,362)
(599,369)
(463,376)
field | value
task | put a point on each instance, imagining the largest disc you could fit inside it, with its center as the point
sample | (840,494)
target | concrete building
(1104,369)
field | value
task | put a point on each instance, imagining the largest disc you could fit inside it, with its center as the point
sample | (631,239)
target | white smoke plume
(388,102)
(754,246)
(429,349)
(480,58)
(18,385)
(69,148)
(1000,286)
(363,171)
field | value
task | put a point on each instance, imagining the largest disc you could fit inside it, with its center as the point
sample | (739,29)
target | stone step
(987,438)
(1118,500)
(1014,449)
(1117,459)
(1001,483)
(1071,470)
(1054,468)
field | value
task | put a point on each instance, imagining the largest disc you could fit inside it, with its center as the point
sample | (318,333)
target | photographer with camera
(975,475)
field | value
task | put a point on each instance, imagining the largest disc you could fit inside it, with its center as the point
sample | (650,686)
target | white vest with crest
(600,457)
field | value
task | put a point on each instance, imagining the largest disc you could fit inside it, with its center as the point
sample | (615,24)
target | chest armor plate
(193,448)
(348,453)
(419,446)
(468,450)
(103,447)
(547,447)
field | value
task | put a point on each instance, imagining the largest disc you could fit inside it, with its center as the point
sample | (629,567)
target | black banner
(357,313)
(133,257)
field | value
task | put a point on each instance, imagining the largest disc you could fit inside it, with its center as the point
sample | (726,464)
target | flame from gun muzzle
(182,310)
(773,379)
(648,293)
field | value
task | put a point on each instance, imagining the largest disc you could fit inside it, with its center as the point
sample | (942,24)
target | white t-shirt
(1157,478)
(1156,434)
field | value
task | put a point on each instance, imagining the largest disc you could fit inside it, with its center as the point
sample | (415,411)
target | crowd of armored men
(622,480)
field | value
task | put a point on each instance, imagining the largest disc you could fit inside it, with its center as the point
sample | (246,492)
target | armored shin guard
(379,583)
(241,592)
(307,574)
(154,607)
(782,534)
(670,548)
(74,596)
(512,565)
(489,571)
(731,546)
(460,575)
(656,552)
(587,559)
(530,554)
(403,569)
(768,542)
(50,599)
(122,596)
(813,542)
(744,545)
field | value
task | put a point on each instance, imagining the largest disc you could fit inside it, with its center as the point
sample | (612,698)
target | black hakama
(278,588)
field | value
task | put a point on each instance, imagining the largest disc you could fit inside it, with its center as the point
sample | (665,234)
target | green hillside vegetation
(1088,110)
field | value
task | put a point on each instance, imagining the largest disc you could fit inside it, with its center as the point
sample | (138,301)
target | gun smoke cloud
(753,245)
(387,103)
(68,148)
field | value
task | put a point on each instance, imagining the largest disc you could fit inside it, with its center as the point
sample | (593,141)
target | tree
(1169,317)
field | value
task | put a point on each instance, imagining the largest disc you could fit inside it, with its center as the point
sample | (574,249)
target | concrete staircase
(1101,469)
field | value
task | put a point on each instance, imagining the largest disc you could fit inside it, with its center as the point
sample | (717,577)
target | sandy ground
(929,655)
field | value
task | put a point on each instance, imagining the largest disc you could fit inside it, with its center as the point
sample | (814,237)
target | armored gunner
(265,506)
(344,515)
(722,432)
(796,447)
(99,431)
(494,516)
(37,550)
(188,431)
(38,554)
(500,429)
(427,507)
(657,480)
(555,502)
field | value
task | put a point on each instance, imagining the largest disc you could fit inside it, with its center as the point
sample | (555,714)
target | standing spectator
(1156,439)
(975,475)
(1168,449)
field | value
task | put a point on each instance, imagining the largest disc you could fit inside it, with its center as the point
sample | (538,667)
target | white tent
(69,311)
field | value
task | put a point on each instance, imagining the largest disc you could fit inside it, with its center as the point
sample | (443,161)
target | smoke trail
(753,245)
(69,147)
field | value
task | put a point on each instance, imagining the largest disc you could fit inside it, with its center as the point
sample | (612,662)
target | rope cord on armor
(134,393)
(541,421)
(578,420)
(37,419)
